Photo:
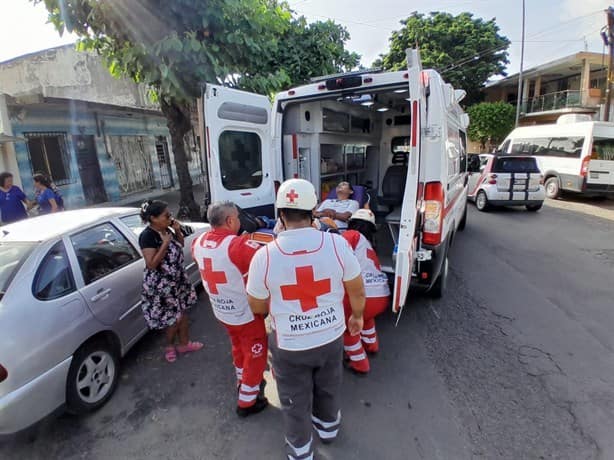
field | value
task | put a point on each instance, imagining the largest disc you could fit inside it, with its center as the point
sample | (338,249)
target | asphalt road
(516,362)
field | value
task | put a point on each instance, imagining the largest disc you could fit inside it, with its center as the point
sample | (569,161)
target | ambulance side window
(240,160)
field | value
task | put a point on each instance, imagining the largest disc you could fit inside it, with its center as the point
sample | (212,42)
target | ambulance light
(291,92)
(585,164)
(351,81)
(368,80)
(433,213)
(321,87)
(3,373)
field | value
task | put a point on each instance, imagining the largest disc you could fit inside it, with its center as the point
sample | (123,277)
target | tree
(174,47)
(490,122)
(309,50)
(466,50)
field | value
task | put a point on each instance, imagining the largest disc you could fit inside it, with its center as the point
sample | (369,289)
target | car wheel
(553,189)
(92,377)
(439,287)
(463,222)
(481,201)
(534,207)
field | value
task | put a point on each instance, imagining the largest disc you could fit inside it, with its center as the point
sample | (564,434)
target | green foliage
(309,50)
(490,122)
(175,46)
(466,50)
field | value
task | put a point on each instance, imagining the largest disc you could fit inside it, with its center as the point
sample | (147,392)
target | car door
(110,277)
(239,148)
(407,244)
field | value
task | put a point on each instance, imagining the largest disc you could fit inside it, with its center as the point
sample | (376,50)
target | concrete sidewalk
(172,197)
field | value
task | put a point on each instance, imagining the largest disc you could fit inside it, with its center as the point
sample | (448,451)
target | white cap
(364,214)
(296,194)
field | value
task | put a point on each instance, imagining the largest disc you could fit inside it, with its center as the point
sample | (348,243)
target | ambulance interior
(361,138)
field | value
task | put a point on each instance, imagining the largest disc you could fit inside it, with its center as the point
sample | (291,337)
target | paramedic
(223,259)
(341,208)
(359,235)
(300,279)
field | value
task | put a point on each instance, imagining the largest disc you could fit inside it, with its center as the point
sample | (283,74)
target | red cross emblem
(291,196)
(212,278)
(307,289)
(373,256)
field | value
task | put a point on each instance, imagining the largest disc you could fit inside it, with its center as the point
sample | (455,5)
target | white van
(401,135)
(575,157)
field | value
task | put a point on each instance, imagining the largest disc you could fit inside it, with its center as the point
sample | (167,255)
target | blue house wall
(74,118)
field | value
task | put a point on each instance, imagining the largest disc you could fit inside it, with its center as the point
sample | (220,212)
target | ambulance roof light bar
(346,74)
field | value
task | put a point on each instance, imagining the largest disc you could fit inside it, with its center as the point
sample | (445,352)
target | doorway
(166,174)
(89,169)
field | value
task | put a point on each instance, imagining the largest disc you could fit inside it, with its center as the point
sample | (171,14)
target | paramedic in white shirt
(341,208)
(300,279)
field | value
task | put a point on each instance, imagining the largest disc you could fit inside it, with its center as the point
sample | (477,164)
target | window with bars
(49,155)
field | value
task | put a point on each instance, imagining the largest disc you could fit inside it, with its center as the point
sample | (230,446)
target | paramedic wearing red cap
(300,279)
(360,235)
(223,259)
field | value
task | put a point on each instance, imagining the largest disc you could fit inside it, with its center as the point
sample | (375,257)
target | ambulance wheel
(553,189)
(439,287)
(463,222)
(481,201)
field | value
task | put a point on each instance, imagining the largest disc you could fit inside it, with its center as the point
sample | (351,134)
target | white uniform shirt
(302,272)
(222,279)
(340,206)
(376,281)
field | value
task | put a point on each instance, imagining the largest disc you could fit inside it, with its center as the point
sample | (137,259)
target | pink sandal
(190,346)
(170,354)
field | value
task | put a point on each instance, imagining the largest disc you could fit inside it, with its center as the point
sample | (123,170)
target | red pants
(249,354)
(357,346)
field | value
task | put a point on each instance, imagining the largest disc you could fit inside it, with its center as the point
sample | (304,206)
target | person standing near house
(167,292)
(48,200)
(223,259)
(359,235)
(13,201)
(300,279)
(341,208)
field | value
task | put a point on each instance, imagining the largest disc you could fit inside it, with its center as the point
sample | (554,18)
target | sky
(554,28)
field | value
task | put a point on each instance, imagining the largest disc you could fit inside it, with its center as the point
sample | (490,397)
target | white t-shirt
(302,273)
(340,206)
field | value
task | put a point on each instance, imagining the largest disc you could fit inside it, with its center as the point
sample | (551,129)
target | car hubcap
(95,377)
(551,188)
(481,201)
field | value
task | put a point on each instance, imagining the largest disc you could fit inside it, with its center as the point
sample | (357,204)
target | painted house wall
(73,120)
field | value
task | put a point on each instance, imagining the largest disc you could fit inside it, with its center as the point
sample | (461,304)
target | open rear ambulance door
(406,251)
(239,148)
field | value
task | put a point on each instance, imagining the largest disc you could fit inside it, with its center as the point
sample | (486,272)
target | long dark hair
(42,179)
(152,208)
(366,228)
(3,177)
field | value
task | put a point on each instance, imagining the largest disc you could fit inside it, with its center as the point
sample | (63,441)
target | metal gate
(132,162)
(166,174)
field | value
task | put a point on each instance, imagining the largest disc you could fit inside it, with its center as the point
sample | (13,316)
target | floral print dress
(167,292)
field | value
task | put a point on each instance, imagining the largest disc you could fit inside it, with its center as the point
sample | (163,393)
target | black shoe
(259,406)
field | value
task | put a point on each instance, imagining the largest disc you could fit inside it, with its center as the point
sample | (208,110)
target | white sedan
(70,295)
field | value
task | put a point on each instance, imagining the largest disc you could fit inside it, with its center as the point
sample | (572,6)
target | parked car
(70,289)
(505,180)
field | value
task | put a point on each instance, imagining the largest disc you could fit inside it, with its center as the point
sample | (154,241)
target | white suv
(505,180)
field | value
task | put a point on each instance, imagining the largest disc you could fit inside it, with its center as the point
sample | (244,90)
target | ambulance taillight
(433,213)
(584,168)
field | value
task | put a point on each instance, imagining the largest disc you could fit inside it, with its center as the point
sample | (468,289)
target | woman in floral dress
(167,292)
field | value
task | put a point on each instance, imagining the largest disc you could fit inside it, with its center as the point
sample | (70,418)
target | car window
(54,277)
(101,250)
(12,255)
(515,165)
(134,223)
(603,149)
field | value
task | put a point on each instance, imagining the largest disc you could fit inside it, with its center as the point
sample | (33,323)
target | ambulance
(398,137)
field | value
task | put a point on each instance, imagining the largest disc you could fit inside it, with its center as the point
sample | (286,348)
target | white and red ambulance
(398,137)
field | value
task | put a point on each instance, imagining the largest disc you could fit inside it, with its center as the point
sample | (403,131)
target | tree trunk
(179,124)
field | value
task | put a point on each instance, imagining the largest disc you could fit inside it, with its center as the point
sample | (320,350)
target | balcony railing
(554,101)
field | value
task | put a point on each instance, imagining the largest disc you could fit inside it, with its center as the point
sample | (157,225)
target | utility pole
(519,98)
(608,39)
